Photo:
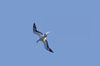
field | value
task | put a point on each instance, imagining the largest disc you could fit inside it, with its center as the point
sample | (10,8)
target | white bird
(42,38)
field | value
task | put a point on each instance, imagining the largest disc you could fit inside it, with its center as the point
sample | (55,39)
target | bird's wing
(47,46)
(36,31)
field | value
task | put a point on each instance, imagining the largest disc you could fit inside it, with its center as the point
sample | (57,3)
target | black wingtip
(50,50)
(34,26)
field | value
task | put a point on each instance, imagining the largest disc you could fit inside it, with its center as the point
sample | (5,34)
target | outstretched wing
(36,31)
(47,46)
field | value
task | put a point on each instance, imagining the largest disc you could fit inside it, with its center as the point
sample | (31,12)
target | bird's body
(42,38)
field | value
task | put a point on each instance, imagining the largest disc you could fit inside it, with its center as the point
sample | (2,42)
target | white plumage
(42,38)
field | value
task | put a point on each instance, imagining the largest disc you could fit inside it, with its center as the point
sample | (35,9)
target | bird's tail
(38,40)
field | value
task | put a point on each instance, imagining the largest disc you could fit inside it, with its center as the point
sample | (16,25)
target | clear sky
(74,27)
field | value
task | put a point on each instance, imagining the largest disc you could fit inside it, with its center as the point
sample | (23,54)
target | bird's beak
(48,33)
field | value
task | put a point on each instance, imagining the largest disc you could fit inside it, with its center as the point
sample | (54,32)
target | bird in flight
(42,38)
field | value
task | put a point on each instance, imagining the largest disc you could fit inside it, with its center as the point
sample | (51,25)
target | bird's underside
(42,38)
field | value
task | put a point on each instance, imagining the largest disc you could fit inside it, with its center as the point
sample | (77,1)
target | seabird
(42,38)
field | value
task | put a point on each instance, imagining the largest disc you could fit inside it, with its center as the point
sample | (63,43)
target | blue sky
(74,27)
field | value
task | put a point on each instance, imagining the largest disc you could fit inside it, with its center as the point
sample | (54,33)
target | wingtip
(51,50)
(34,23)
(34,27)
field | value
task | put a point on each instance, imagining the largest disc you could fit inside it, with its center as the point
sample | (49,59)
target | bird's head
(46,34)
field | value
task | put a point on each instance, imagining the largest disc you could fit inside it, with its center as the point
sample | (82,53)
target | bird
(42,37)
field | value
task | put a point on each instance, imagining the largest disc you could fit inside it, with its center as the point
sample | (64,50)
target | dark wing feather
(47,46)
(36,31)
